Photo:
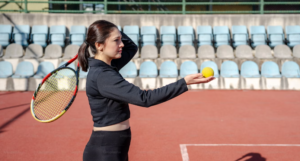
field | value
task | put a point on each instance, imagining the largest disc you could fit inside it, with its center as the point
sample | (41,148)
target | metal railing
(183,3)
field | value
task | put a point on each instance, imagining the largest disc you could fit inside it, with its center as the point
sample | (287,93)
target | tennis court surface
(199,125)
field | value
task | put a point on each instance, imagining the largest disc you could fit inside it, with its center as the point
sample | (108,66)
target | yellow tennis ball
(207,72)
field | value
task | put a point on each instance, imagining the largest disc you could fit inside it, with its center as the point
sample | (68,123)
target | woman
(109,93)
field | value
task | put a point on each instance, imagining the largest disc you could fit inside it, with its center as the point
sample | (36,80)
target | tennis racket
(56,93)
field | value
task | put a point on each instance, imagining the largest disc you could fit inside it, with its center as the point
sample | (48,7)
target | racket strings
(55,94)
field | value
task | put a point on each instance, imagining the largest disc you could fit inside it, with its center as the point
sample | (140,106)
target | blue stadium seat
(21,34)
(44,68)
(258,35)
(57,35)
(186,35)
(290,69)
(24,70)
(6,69)
(205,35)
(221,35)
(270,69)
(39,35)
(211,64)
(133,33)
(77,35)
(148,35)
(276,35)
(168,69)
(249,69)
(129,70)
(188,67)
(292,35)
(168,35)
(148,69)
(5,34)
(83,74)
(239,35)
(229,69)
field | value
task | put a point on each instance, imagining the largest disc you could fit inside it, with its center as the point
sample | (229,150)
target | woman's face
(113,45)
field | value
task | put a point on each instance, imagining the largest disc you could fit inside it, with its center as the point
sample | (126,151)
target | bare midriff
(115,127)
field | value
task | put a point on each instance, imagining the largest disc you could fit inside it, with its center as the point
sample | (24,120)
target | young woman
(109,93)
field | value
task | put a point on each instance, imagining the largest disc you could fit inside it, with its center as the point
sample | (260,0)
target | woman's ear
(99,46)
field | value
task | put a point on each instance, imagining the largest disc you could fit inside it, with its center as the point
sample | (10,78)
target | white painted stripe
(185,155)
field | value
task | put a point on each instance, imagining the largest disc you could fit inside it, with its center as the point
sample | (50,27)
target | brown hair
(98,32)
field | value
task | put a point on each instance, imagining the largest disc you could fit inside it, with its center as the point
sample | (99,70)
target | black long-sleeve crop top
(109,93)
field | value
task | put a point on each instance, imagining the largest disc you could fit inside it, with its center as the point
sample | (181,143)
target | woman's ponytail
(83,55)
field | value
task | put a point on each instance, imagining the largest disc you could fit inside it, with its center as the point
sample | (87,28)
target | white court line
(185,155)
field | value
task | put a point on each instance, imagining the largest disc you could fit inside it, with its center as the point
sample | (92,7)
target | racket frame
(45,78)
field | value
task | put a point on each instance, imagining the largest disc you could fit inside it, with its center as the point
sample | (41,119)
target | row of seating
(229,71)
(184,35)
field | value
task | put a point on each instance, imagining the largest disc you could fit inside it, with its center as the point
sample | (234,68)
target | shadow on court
(13,119)
(252,157)
(14,106)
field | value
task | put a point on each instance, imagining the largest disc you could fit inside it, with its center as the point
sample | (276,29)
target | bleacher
(264,58)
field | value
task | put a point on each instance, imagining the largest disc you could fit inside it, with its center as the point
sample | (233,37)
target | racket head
(55,94)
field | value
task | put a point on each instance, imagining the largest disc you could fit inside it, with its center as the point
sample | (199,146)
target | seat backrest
(167,30)
(6,29)
(168,51)
(34,51)
(148,69)
(187,51)
(263,51)
(188,67)
(149,51)
(39,29)
(239,30)
(129,70)
(282,51)
(229,68)
(24,69)
(45,68)
(14,51)
(168,69)
(78,30)
(24,29)
(249,69)
(70,51)
(131,30)
(53,51)
(185,30)
(296,51)
(257,30)
(206,51)
(225,51)
(244,51)
(204,30)
(290,69)
(6,69)
(274,30)
(58,29)
(269,68)
(221,30)
(212,65)
(292,29)
(146,30)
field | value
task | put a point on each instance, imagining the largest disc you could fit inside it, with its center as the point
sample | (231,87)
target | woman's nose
(121,45)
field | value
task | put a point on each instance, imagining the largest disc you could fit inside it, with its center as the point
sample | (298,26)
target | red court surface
(199,125)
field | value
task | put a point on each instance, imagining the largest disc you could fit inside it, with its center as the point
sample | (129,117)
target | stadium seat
(148,35)
(33,51)
(230,75)
(168,72)
(133,33)
(187,51)
(58,35)
(148,74)
(205,35)
(1,51)
(129,72)
(77,35)
(221,36)
(291,74)
(5,34)
(168,35)
(206,52)
(52,54)
(39,35)
(43,69)
(13,54)
(186,68)
(243,53)
(168,51)
(282,53)
(250,77)
(21,34)
(276,35)
(6,71)
(20,78)
(186,35)
(215,84)
(149,51)
(292,35)
(239,35)
(224,53)
(70,51)
(296,51)
(263,52)
(271,75)
(258,35)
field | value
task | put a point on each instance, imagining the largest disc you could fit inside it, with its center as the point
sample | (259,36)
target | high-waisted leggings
(108,146)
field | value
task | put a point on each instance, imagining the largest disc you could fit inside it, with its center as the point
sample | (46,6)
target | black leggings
(108,146)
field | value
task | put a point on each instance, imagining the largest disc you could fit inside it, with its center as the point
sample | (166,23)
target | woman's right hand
(197,79)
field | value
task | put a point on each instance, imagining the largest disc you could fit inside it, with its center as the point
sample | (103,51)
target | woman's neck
(106,59)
